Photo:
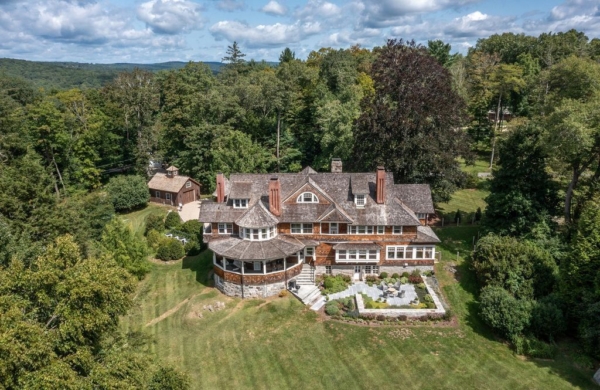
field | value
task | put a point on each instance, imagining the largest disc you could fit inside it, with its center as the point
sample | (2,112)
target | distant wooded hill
(67,75)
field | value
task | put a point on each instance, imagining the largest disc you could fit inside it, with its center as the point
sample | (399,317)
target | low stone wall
(360,305)
(249,291)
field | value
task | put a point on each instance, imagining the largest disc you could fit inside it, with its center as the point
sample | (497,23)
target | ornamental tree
(411,124)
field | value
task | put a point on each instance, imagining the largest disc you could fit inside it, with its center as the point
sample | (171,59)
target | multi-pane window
(376,269)
(157,194)
(258,234)
(302,228)
(380,229)
(188,184)
(328,269)
(410,252)
(361,229)
(168,196)
(240,203)
(257,266)
(360,200)
(225,228)
(357,254)
(397,230)
(333,228)
(307,197)
(421,215)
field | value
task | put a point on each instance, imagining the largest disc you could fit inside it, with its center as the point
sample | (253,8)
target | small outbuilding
(173,189)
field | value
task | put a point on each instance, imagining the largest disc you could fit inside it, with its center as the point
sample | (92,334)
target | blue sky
(146,31)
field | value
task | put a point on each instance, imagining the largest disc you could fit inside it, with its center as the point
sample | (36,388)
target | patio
(376,293)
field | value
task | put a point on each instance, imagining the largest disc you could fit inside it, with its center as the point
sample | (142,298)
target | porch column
(285,272)
(264,264)
(242,279)
(214,258)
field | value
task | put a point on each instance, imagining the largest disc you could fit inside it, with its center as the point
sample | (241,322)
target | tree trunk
(497,120)
(569,194)
(58,172)
(278,136)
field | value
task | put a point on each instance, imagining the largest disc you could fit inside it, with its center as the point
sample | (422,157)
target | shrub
(371,278)
(430,305)
(154,239)
(404,280)
(283,293)
(192,247)
(332,308)
(415,279)
(405,274)
(395,275)
(535,348)
(194,228)
(170,249)
(547,319)
(428,298)
(503,312)
(154,222)
(334,284)
(422,286)
(383,275)
(173,221)
(128,192)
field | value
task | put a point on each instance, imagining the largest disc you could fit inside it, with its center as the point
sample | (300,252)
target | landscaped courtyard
(376,293)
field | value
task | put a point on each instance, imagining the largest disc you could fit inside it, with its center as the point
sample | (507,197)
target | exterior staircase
(307,292)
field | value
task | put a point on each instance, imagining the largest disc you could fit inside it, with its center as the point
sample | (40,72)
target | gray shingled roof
(240,189)
(416,196)
(219,212)
(257,217)
(426,235)
(359,183)
(357,245)
(161,182)
(400,204)
(237,248)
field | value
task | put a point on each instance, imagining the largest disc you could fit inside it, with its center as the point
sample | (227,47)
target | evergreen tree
(234,55)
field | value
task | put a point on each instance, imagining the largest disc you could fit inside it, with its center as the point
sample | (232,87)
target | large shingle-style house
(266,229)
(172,189)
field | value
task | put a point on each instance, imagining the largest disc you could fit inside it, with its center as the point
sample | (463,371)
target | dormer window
(240,203)
(307,197)
(360,200)
(188,184)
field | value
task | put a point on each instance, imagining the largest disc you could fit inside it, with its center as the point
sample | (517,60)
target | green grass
(278,343)
(137,219)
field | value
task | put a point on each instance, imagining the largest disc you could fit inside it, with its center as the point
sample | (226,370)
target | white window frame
(255,264)
(168,196)
(188,184)
(307,197)
(357,255)
(422,215)
(412,252)
(380,229)
(225,228)
(301,228)
(334,228)
(360,200)
(157,194)
(362,229)
(258,234)
(327,270)
(397,229)
(240,203)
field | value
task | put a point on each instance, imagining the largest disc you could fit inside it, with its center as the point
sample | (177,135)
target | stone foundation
(249,291)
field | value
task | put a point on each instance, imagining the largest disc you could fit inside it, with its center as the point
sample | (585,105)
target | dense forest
(68,267)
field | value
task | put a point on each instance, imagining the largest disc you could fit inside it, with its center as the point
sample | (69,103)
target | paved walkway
(190,211)
(375,293)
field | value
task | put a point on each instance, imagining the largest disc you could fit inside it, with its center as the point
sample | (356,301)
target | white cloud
(319,9)
(171,16)
(274,8)
(277,34)
(384,13)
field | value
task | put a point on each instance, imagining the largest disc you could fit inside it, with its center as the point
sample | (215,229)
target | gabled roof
(332,214)
(172,168)
(162,182)
(257,217)
(425,234)
(308,171)
(240,189)
(400,205)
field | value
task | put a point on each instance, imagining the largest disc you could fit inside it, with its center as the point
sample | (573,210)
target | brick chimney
(275,196)
(380,185)
(220,188)
(336,165)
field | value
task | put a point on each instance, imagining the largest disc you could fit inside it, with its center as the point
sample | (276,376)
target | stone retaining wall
(360,305)
(249,291)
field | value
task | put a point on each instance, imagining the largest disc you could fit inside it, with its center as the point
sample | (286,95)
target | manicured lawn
(278,343)
(136,219)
